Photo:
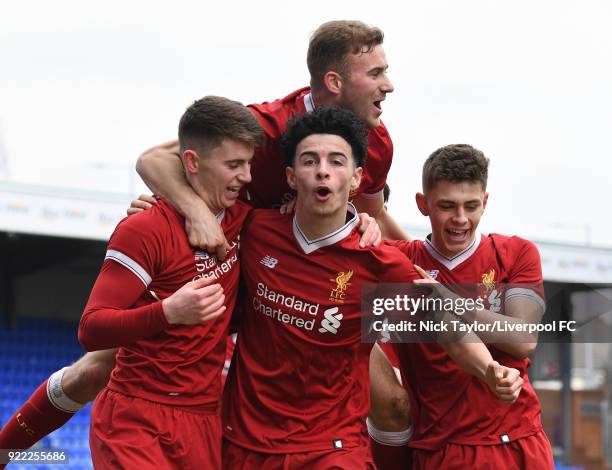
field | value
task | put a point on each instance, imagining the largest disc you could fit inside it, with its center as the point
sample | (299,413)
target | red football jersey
(448,404)
(179,365)
(299,380)
(269,187)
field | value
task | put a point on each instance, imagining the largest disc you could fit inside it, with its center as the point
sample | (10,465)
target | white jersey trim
(129,263)
(452,263)
(220,215)
(309,103)
(528,293)
(308,246)
(372,195)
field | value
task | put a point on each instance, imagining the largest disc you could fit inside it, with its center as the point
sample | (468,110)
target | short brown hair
(211,119)
(455,163)
(333,41)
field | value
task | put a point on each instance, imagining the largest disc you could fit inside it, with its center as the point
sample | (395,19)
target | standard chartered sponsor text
(284,300)
(220,269)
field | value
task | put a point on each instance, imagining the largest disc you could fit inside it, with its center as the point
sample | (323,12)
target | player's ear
(333,82)
(421,203)
(356,178)
(191,161)
(484,200)
(290,177)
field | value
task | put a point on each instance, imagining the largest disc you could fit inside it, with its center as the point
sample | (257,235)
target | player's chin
(227,203)
(230,198)
(373,121)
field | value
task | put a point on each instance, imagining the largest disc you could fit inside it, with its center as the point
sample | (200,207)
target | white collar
(309,103)
(452,263)
(308,246)
(220,215)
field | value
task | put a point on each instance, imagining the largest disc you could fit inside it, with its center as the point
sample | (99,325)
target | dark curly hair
(327,120)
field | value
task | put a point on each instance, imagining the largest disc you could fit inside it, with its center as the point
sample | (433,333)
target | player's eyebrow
(308,153)
(338,154)
(452,201)
(379,69)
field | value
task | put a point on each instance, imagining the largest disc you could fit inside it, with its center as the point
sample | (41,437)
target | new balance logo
(331,322)
(269,262)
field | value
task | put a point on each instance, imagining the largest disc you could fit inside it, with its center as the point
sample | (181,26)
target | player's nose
(323,170)
(245,175)
(387,85)
(460,217)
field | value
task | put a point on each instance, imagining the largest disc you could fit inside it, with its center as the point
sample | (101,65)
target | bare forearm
(506,333)
(375,207)
(162,171)
(390,229)
(473,357)
(514,332)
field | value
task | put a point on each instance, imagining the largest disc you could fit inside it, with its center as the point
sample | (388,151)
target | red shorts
(128,432)
(355,458)
(530,453)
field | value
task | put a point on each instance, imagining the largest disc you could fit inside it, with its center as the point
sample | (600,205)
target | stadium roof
(45,210)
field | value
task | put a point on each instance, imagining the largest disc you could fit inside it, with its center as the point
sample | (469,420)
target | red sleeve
(378,163)
(526,273)
(402,245)
(398,268)
(527,267)
(135,255)
(108,321)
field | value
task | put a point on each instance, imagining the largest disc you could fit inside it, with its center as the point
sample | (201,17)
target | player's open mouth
(323,193)
(457,235)
(378,105)
(233,190)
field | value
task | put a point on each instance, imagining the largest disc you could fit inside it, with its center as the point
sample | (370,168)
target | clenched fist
(195,303)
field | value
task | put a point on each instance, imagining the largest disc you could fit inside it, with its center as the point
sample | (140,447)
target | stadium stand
(28,353)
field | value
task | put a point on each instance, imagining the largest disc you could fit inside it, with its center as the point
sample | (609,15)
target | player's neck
(447,252)
(205,197)
(321,98)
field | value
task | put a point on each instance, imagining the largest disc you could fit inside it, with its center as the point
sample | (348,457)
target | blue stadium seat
(28,355)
